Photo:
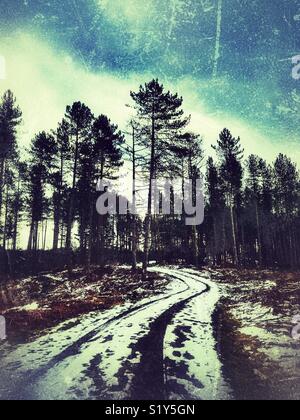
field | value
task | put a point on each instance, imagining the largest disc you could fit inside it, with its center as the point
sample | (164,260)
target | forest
(252,206)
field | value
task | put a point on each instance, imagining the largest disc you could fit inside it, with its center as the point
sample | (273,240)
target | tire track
(149,382)
(21,389)
(146,378)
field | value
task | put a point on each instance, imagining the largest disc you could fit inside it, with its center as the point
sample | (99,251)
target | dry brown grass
(58,299)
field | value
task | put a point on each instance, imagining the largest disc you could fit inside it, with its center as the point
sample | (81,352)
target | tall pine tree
(162,116)
(230,154)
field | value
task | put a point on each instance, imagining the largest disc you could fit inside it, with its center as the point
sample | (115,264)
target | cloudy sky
(231,60)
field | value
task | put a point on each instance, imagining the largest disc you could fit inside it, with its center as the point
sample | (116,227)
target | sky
(231,60)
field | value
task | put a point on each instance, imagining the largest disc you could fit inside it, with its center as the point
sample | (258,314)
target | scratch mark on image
(218,38)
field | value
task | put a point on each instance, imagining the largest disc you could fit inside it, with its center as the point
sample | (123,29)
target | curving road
(162,348)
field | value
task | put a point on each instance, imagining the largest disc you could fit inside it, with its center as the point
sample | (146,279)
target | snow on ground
(110,347)
(18,361)
(93,356)
(34,306)
(191,349)
(259,311)
(60,298)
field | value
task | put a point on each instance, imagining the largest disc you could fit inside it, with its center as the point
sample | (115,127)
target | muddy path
(162,348)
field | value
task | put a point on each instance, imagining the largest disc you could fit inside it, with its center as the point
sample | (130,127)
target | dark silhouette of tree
(10,119)
(231,171)
(252,212)
(286,199)
(9,179)
(59,181)
(100,157)
(255,168)
(189,150)
(107,149)
(19,200)
(79,117)
(43,151)
(215,214)
(162,117)
(134,155)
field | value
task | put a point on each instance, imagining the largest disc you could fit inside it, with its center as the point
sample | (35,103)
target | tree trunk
(195,246)
(45,235)
(56,233)
(185,235)
(259,235)
(2,172)
(5,219)
(16,215)
(16,223)
(149,210)
(30,240)
(71,209)
(101,245)
(224,238)
(57,216)
(194,228)
(90,242)
(100,237)
(134,221)
(62,232)
(215,243)
(234,236)
(36,236)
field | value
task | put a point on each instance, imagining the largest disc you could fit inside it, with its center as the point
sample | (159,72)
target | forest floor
(249,337)
(254,322)
(43,301)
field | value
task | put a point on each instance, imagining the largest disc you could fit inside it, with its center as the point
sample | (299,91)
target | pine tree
(162,118)
(255,167)
(191,151)
(79,117)
(230,154)
(134,128)
(9,181)
(108,140)
(10,119)
(42,152)
(59,182)
(132,154)
(215,214)
(19,200)
(100,157)
(286,196)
